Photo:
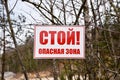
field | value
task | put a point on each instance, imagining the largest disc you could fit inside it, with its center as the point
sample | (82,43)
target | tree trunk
(55,74)
(14,40)
(3,55)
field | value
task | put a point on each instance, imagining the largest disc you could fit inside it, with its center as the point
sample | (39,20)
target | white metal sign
(59,42)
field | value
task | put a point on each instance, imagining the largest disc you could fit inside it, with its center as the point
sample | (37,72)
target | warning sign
(59,42)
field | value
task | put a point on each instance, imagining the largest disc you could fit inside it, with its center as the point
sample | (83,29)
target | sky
(21,8)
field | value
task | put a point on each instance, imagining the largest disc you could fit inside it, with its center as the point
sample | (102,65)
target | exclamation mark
(78,37)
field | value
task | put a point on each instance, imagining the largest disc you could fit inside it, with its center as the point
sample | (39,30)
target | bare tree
(4,43)
(5,2)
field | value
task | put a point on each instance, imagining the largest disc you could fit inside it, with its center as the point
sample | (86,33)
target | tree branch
(79,12)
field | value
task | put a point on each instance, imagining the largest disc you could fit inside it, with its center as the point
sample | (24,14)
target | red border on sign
(58,57)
